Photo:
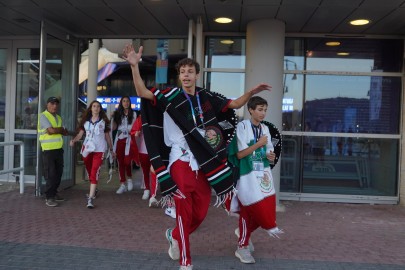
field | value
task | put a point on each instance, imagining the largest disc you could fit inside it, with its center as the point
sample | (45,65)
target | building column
(264,63)
(93,71)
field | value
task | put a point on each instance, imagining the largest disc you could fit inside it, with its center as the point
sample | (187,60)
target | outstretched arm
(133,59)
(242,100)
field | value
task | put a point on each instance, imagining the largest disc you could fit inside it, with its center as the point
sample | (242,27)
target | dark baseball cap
(53,99)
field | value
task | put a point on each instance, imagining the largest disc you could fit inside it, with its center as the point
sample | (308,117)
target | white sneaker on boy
(121,189)
(146,194)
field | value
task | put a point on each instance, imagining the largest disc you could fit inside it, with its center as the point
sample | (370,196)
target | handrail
(22,158)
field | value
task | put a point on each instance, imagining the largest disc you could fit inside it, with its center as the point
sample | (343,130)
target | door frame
(50,29)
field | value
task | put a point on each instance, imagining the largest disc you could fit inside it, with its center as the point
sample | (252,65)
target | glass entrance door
(5,56)
(57,77)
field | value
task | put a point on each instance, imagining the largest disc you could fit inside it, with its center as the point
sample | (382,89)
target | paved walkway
(122,232)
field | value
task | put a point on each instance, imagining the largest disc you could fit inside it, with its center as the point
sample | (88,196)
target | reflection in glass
(30,148)
(352,104)
(340,105)
(222,53)
(231,85)
(3,77)
(26,103)
(352,166)
(1,152)
(292,102)
(357,55)
(290,164)
(294,56)
(114,77)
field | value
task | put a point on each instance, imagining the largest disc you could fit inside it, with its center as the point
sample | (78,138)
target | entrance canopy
(107,64)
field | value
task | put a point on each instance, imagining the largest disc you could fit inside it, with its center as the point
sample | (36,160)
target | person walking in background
(256,199)
(50,131)
(150,182)
(96,125)
(122,122)
(195,163)
(149,178)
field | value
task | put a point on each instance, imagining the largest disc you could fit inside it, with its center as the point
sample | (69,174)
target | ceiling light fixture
(332,43)
(360,22)
(227,41)
(223,20)
(343,53)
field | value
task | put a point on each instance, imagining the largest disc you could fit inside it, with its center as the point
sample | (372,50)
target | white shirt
(174,138)
(95,132)
(124,132)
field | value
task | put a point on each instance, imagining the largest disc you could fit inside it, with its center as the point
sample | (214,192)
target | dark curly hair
(188,62)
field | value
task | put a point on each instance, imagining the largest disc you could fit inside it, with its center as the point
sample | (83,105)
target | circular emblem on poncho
(213,136)
(266,184)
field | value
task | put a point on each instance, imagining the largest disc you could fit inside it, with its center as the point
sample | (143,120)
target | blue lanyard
(192,108)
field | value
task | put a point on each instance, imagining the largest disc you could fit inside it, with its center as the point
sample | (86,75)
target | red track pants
(192,210)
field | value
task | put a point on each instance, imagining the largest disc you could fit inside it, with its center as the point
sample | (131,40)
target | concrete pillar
(264,63)
(93,70)
(199,57)
(191,27)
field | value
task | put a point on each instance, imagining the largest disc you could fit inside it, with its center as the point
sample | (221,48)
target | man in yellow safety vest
(50,131)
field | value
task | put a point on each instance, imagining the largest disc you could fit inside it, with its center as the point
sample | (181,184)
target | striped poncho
(209,152)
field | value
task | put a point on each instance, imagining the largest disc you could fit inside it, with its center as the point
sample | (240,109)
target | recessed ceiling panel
(141,19)
(171,18)
(295,16)
(253,13)
(348,4)
(391,24)
(326,19)
(223,10)
(373,14)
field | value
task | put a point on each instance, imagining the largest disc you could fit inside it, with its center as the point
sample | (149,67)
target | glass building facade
(341,111)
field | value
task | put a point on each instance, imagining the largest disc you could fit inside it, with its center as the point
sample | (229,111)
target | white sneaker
(130,185)
(121,189)
(275,232)
(171,212)
(251,246)
(90,204)
(244,255)
(174,250)
(184,267)
(153,202)
(146,194)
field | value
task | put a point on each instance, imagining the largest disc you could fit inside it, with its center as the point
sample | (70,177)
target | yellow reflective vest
(54,141)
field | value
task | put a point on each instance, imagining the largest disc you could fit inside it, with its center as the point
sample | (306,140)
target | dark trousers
(52,169)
